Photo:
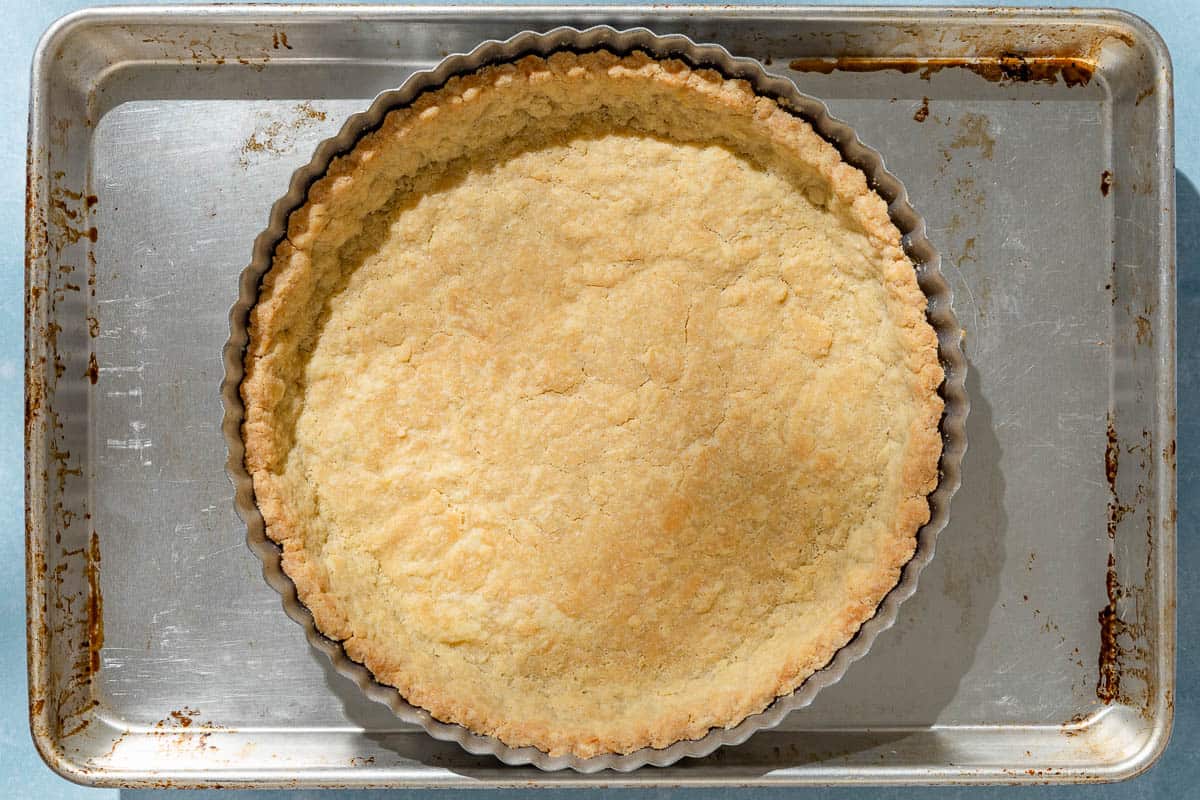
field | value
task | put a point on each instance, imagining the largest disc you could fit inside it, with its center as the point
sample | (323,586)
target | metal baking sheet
(1038,146)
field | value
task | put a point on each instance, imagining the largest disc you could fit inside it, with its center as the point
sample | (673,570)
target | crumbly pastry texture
(592,401)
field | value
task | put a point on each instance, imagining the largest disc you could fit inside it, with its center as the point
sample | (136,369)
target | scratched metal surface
(161,655)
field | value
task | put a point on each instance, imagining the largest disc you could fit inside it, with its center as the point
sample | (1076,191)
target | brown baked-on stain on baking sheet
(1125,673)
(1108,685)
(1112,455)
(922,113)
(1008,67)
(95,610)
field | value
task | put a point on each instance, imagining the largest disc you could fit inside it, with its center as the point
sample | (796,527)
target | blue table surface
(22,773)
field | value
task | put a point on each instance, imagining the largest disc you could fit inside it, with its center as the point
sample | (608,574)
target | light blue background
(22,774)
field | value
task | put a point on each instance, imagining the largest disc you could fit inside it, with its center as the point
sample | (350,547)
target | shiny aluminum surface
(159,138)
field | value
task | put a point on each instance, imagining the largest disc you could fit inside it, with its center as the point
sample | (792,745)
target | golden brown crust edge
(288,285)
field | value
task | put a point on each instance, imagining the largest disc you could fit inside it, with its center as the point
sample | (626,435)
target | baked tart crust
(592,401)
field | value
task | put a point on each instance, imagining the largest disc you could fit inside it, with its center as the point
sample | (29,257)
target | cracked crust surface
(592,402)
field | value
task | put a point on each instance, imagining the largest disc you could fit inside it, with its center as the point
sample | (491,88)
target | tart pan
(842,136)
